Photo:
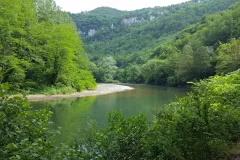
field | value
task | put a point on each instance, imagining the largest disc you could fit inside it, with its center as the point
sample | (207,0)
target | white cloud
(76,6)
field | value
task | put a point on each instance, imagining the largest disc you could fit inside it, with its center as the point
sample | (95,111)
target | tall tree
(106,69)
(228,58)
(15,20)
(39,45)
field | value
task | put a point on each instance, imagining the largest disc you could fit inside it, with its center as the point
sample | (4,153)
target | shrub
(24,133)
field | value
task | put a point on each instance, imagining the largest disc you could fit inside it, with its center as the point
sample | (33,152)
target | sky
(76,6)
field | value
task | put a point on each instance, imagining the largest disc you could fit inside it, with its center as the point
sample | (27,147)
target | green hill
(163,45)
(110,31)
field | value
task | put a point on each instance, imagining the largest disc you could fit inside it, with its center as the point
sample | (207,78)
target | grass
(57,90)
(34,88)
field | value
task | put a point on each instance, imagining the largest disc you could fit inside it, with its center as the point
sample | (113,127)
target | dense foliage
(126,32)
(39,46)
(24,133)
(203,125)
(104,70)
(200,50)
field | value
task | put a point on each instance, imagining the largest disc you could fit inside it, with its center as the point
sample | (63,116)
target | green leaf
(18,157)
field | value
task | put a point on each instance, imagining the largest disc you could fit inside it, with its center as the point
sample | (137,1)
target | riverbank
(102,89)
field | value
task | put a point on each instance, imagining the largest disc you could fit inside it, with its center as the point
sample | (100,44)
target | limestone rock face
(92,32)
(132,20)
(152,18)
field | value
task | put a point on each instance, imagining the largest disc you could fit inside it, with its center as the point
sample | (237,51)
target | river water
(72,114)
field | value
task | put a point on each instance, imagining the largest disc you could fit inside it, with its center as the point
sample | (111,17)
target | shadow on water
(68,114)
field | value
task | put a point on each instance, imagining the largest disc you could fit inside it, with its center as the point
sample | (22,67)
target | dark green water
(72,114)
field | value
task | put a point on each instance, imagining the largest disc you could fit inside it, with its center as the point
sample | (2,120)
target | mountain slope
(110,31)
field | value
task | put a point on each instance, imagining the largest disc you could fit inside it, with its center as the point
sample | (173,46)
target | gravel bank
(102,89)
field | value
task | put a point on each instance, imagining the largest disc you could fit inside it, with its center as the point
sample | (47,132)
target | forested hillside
(110,31)
(184,42)
(40,47)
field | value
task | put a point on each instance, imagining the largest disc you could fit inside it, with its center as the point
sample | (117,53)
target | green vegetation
(105,69)
(57,90)
(24,134)
(203,125)
(184,42)
(228,58)
(40,47)
(122,32)
(40,51)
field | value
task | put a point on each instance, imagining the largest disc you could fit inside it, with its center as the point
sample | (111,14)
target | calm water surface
(71,114)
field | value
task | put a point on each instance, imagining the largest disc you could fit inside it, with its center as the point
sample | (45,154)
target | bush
(25,133)
(203,125)
(122,139)
(60,89)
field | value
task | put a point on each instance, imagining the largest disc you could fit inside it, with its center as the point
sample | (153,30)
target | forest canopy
(198,40)
(40,47)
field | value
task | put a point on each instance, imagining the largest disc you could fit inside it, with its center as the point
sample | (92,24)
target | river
(71,114)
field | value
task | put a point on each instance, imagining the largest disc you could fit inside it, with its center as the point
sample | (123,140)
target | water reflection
(71,114)
(68,114)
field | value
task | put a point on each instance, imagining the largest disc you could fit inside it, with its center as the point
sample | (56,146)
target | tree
(154,71)
(228,58)
(13,70)
(47,10)
(106,69)
(194,62)
(133,74)
(15,20)
(39,46)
